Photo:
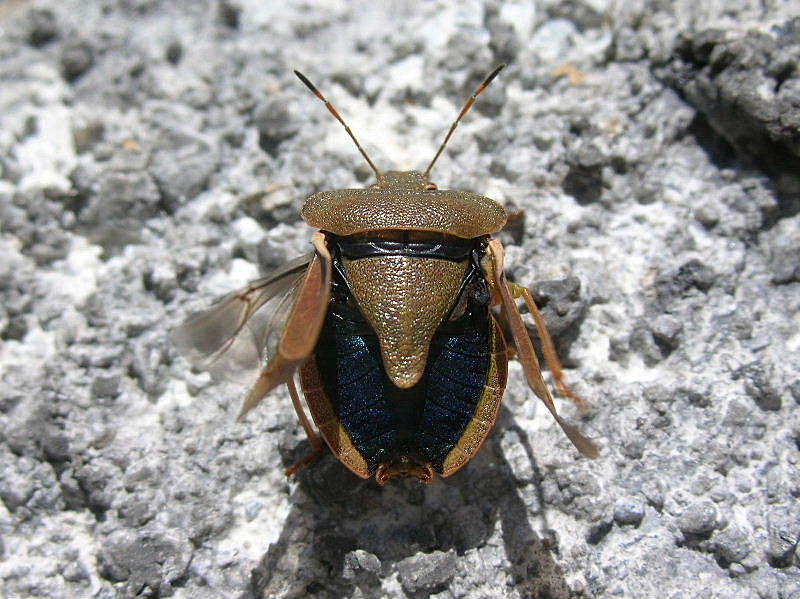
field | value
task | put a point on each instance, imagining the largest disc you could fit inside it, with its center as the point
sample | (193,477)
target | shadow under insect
(343,534)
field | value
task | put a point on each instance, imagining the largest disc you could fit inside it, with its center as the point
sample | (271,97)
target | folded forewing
(302,328)
(241,331)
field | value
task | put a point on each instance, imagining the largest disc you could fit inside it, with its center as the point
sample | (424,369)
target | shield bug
(395,324)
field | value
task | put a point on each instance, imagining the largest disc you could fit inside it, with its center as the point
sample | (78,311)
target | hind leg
(313,437)
(548,347)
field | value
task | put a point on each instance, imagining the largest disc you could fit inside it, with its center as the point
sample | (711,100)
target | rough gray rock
(629,510)
(154,155)
(746,84)
(426,572)
(149,562)
(699,519)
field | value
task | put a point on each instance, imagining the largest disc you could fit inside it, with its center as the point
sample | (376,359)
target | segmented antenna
(335,113)
(464,111)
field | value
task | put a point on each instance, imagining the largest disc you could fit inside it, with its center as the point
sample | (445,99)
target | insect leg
(525,353)
(548,347)
(313,437)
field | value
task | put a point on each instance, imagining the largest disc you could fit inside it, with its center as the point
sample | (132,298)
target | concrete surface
(155,154)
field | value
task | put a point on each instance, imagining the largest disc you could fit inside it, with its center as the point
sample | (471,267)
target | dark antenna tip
(307,83)
(487,80)
(490,77)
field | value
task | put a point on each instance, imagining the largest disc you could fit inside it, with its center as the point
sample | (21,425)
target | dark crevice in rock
(724,78)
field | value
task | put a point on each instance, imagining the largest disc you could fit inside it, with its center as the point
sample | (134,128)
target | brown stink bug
(394,324)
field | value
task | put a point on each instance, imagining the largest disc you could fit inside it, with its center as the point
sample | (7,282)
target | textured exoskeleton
(395,324)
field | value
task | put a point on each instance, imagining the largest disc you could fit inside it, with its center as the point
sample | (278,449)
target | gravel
(154,155)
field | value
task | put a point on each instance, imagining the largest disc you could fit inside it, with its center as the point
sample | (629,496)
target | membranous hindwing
(235,338)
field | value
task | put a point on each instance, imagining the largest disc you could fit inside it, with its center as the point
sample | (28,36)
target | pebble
(42,27)
(733,543)
(76,59)
(426,571)
(629,510)
(106,386)
(698,519)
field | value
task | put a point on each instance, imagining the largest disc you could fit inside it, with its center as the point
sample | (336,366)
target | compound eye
(431,187)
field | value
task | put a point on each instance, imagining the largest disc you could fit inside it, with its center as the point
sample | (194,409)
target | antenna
(464,111)
(335,113)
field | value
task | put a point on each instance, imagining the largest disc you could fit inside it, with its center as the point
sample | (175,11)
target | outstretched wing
(302,329)
(241,331)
